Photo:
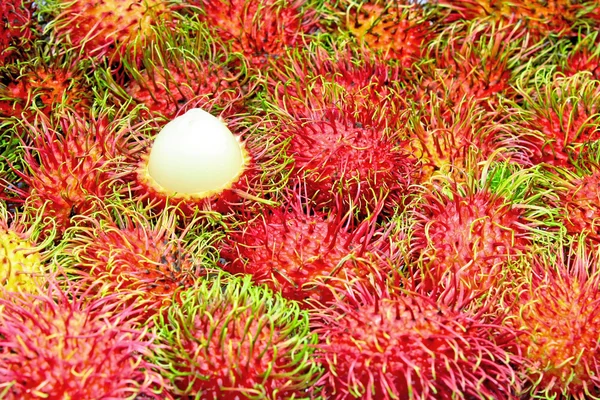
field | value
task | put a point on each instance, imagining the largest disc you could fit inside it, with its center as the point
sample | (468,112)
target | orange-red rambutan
(44,83)
(260,30)
(378,344)
(105,28)
(230,340)
(556,309)
(302,253)
(398,30)
(584,55)
(53,346)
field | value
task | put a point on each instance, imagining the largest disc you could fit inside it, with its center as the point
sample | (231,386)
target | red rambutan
(260,30)
(302,253)
(53,346)
(16,27)
(398,30)
(229,339)
(558,116)
(376,344)
(556,308)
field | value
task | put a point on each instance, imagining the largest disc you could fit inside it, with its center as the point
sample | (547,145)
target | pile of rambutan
(286,199)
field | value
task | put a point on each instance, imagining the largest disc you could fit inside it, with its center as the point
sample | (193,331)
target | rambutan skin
(56,347)
(555,308)
(386,345)
(229,339)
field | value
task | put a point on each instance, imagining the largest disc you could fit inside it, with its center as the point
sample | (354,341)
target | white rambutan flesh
(195,153)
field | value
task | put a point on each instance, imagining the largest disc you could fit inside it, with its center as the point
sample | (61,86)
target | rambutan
(23,254)
(381,344)
(44,82)
(539,18)
(196,162)
(143,259)
(311,79)
(184,68)
(557,116)
(260,30)
(466,234)
(53,346)
(556,309)
(73,165)
(229,339)
(584,55)
(302,253)
(397,29)
(16,28)
(104,28)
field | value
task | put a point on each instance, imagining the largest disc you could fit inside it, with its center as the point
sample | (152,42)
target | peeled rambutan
(301,253)
(105,28)
(183,69)
(382,344)
(397,29)
(557,116)
(198,162)
(53,346)
(142,258)
(260,30)
(555,308)
(229,339)
(73,165)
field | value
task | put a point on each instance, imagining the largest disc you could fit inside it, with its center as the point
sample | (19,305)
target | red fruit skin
(188,85)
(463,242)
(556,308)
(263,30)
(302,255)
(16,27)
(404,345)
(582,207)
(72,166)
(54,347)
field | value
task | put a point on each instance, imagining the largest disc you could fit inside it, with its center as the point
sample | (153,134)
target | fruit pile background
(418,215)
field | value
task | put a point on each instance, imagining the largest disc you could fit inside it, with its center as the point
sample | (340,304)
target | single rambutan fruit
(397,29)
(584,55)
(196,163)
(44,82)
(351,151)
(53,346)
(105,28)
(465,235)
(539,18)
(260,30)
(73,165)
(16,28)
(23,254)
(473,60)
(381,344)
(184,68)
(557,116)
(311,79)
(142,258)
(556,309)
(449,138)
(302,253)
(229,339)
